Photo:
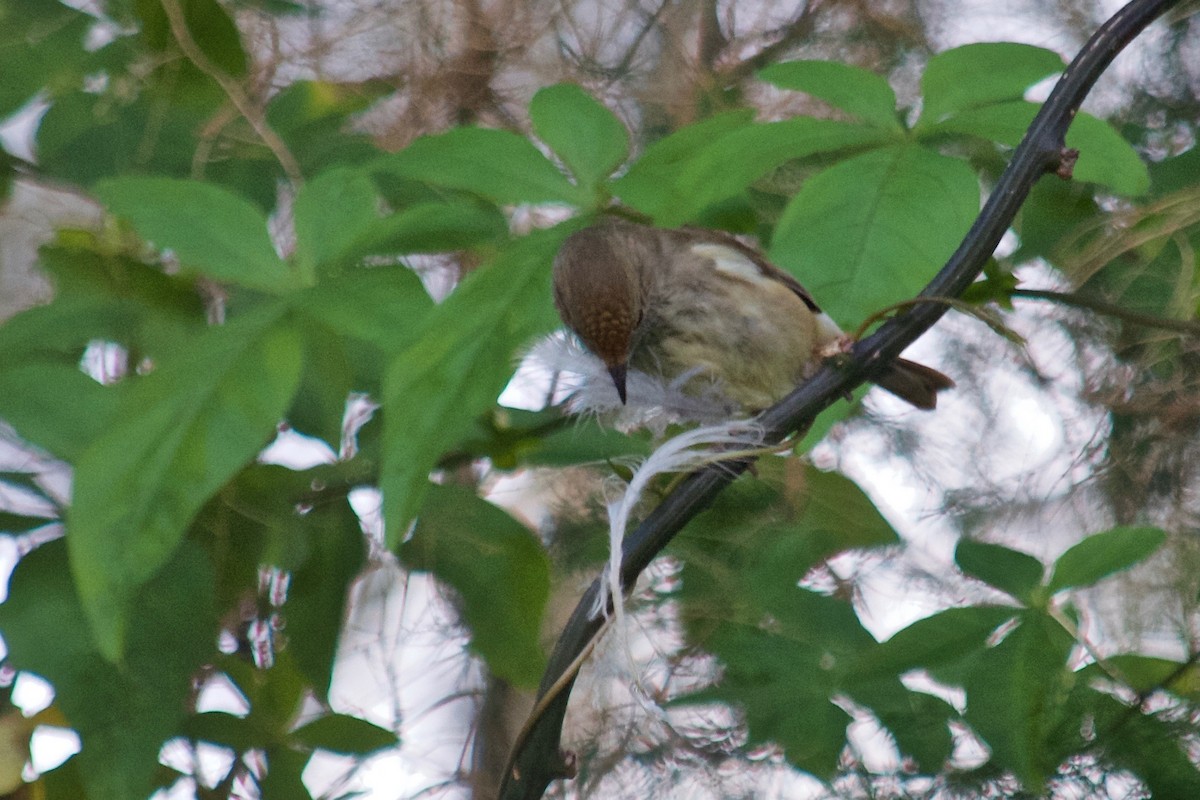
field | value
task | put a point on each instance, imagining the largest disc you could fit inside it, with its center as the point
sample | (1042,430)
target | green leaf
(1015,698)
(457,366)
(853,89)
(920,723)
(1147,746)
(430,228)
(805,654)
(342,733)
(317,595)
(211,230)
(1011,571)
(56,406)
(1103,554)
(210,25)
(499,569)
(177,436)
(588,137)
(981,74)
(222,728)
(496,164)
(123,713)
(941,638)
(856,239)
(647,185)
(837,508)
(332,210)
(1105,158)
(1148,674)
(728,166)
(19,523)
(385,306)
(41,48)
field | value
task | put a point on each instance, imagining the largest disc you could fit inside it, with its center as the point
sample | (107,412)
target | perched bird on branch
(702,307)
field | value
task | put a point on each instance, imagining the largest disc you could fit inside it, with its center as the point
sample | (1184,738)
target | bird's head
(598,293)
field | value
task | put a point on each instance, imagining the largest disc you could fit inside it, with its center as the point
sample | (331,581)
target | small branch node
(1065,168)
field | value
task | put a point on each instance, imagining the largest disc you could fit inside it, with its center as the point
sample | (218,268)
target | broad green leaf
(430,228)
(457,366)
(331,211)
(855,237)
(499,569)
(318,593)
(729,165)
(1015,698)
(836,508)
(1011,571)
(588,137)
(123,714)
(331,373)
(853,89)
(222,728)
(56,406)
(385,306)
(285,774)
(1103,554)
(918,722)
(342,733)
(647,185)
(496,164)
(177,436)
(946,636)
(210,230)
(981,74)
(1105,157)
(805,655)
(41,49)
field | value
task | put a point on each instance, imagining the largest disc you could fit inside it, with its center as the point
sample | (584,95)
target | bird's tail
(914,383)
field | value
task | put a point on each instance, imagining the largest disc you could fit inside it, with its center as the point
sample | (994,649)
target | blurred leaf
(176,437)
(19,523)
(1145,745)
(385,306)
(56,406)
(123,713)
(318,593)
(498,568)
(1105,158)
(851,88)
(1103,554)
(314,119)
(981,74)
(920,723)
(431,228)
(210,26)
(727,166)
(856,239)
(588,137)
(837,507)
(457,366)
(331,211)
(342,733)
(1148,674)
(210,229)
(649,179)
(1015,697)
(1011,571)
(946,636)
(41,49)
(804,656)
(221,728)
(285,773)
(496,164)
(329,377)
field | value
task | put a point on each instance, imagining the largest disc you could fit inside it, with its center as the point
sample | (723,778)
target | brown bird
(701,304)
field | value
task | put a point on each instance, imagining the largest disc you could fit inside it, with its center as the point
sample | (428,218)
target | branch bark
(537,760)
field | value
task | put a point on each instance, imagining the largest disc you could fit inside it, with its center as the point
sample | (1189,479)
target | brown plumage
(701,303)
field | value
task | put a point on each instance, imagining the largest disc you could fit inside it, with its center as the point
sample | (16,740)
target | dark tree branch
(536,759)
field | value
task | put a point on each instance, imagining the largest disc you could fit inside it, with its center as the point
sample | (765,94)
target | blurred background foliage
(267,266)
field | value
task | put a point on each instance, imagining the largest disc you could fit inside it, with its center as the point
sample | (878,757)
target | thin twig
(233,90)
(1183,326)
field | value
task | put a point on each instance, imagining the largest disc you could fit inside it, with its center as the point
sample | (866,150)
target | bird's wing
(765,267)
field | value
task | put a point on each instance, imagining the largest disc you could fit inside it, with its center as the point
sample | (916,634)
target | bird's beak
(618,376)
